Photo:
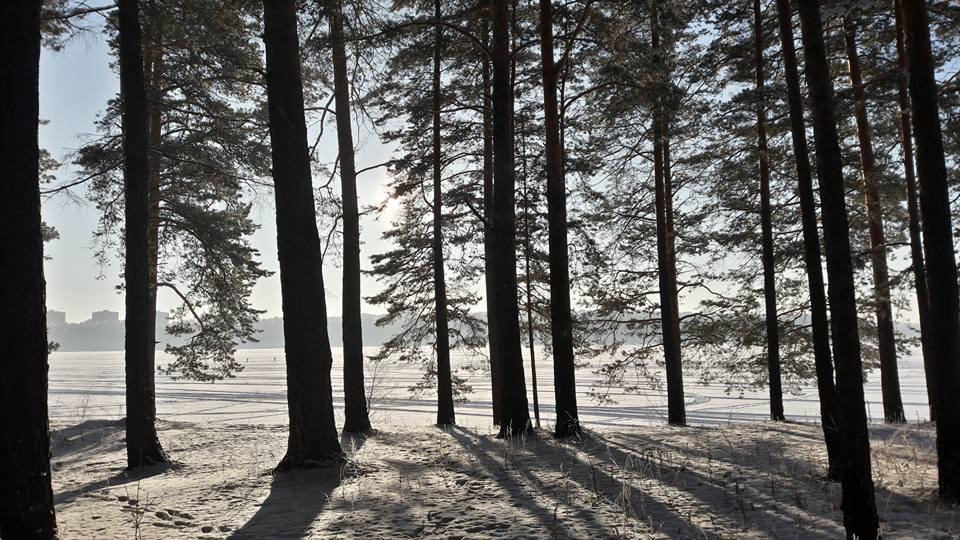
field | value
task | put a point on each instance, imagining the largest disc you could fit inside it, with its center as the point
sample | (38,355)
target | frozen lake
(85,385)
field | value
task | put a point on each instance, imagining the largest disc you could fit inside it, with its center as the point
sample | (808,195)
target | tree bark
(489,282)
(143,445)
(675,370)
(937,240)
(313,433)
(663,199)
(829,415)
(766,226)
(445,413)
(528,282)
(26,497)
(859,506)
(355,415)
(564,371)
(153,72)
(887,347)
(913,211)
(514,411)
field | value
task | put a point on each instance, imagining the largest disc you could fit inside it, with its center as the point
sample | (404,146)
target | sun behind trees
(636,175)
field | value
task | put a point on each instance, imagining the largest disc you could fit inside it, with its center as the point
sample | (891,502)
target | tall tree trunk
(675,371)
(527,240)
(143,445)
(561,323)
(766,226)
(153,66)
(829,415)
(913,211)
(859,506)
(514,411)
(313,432)
(669,310)
(445,413)
(489,281)
(528,282)
(937,241)
(26,498)
(889,377)
(355,416)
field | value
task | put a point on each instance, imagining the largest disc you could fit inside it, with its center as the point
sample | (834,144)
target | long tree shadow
(597,476)
(296,499)
(495,469)
(654,483)
(777,490)
(126,476)
(72,443)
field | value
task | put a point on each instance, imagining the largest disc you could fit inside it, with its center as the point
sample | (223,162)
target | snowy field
(90,385)
(731,475)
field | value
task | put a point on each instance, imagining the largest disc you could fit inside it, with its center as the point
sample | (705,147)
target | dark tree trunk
(355,416)
(666,259)
(26,498)
(937,240)
(675,393)
(561,323)
(514,411)
(445,413)
(887,346)
(153,71)
(528,282)
(489,282)
(143,445)
(766,226)
(913,211)
(527,240)
(859,506)
(829,416)
(313,432)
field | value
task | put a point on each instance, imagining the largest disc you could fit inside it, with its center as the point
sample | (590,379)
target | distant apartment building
(56,318)
(105,316)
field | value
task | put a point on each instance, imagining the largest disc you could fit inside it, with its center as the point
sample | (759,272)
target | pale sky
(75,85)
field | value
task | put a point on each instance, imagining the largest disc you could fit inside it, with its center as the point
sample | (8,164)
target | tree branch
(186,302)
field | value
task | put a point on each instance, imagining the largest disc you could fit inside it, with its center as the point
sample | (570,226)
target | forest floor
(756,480)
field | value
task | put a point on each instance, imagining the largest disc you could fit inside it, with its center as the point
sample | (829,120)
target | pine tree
(859,507)
(666,249)
(913,210)
(564,369)
(356,418)
(829,415)
(514,412)
(769,263)
(445,413)
(26,497)
(628,83)
(426,234)
(313,434)
(490,286)
(937,240)
(143,445)
(206,136)
(889,377)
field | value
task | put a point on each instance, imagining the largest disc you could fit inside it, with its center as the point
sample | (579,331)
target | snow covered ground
(740,481)
(733,475)
(90,385)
